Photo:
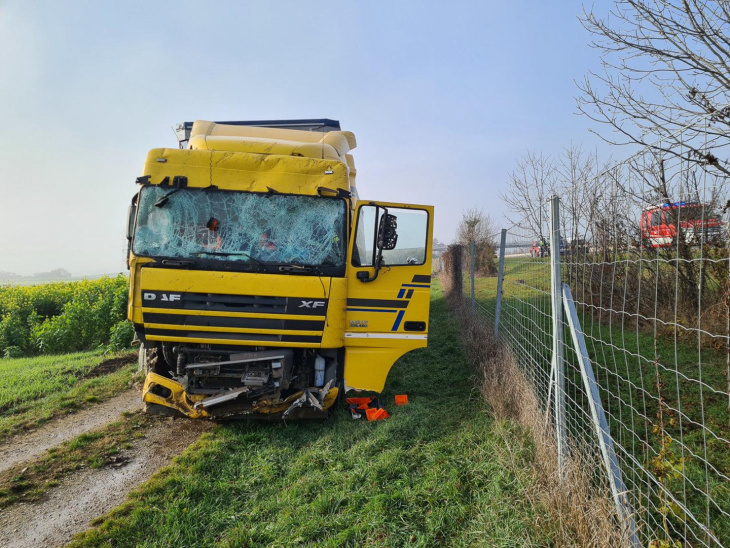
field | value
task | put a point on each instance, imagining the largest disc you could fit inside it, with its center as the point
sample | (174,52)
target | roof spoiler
(182,130)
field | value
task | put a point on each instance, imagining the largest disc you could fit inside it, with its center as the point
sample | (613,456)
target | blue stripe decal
(369,310)
(398,319)
(401,293)
(415,285)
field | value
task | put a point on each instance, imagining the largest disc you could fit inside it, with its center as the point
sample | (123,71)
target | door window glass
(363,253)
(412,230)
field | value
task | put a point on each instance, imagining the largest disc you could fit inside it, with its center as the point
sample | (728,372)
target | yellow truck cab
(260,283)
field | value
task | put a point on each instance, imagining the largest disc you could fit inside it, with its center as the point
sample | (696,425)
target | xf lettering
(311,304)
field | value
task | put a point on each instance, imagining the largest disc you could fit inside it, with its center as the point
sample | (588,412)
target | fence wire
(644,249)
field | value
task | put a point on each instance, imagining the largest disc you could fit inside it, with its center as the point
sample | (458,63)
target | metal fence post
(500,274)
(605,441)
(557,317)
(471,261)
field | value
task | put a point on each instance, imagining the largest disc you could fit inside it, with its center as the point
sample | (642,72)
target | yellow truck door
(388,289)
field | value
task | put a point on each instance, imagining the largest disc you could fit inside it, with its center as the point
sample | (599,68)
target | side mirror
(131,214)
(387,235)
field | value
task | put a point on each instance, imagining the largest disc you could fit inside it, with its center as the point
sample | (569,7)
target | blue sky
(444,98)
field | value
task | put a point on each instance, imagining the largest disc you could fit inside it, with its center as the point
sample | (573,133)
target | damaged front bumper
(310,403)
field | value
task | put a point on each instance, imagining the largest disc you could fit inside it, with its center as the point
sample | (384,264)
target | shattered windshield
(240,226)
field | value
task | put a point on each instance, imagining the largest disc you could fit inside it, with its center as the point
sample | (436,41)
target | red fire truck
(698,223)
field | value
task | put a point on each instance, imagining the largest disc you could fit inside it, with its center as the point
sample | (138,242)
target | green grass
(630,389)
(33,390)
(438,472)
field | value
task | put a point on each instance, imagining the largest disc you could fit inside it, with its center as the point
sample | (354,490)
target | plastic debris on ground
(401,399)
(368,406)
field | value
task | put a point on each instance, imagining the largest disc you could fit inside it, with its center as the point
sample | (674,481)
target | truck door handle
(414,326)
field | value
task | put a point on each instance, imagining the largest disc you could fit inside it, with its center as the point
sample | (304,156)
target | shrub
(121,336)
(13,352)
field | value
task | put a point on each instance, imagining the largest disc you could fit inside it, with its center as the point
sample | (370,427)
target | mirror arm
(363,275)
(379,243)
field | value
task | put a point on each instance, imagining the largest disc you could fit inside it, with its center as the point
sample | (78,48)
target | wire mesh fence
(643,248)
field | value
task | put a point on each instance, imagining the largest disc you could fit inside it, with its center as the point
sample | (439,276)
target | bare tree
(532,182)
(666,77)
(475,226)
(580,194)
(573,176)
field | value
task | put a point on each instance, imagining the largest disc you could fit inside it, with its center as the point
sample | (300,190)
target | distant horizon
(14,276)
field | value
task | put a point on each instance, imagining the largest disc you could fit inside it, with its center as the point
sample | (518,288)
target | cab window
(412,231)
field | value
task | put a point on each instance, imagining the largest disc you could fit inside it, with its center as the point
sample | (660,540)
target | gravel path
(87,494)
(33,444)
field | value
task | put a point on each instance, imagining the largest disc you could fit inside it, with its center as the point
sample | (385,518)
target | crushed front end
(228,382)
(238,297)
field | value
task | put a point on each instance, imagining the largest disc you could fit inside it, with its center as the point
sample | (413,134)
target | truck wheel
(154,362)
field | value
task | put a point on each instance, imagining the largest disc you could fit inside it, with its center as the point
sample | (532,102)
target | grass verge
(34,390)
(30,480)
(579,513)
(440,471)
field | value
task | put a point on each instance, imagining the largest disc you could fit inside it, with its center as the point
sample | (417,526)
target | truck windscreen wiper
(297,268)
(294,268)
(231,254)
(163,200)
(175,262)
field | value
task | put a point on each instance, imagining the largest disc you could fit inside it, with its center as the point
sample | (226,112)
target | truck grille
(165,318)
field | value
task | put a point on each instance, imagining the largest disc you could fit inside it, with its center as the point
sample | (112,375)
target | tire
(155,362)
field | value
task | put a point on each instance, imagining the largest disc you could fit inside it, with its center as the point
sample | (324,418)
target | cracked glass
(240,226)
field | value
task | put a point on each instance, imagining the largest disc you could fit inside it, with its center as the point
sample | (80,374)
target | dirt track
(28,446)
(87,494)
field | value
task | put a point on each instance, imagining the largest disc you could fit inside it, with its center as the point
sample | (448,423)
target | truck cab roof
(290,156)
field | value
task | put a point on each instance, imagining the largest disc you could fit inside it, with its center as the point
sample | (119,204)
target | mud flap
(177,399)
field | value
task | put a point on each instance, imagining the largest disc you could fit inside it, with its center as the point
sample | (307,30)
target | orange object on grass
(359,401)
(401,399)
(376,414)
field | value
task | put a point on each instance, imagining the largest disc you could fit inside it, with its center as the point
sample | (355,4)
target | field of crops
(64,317)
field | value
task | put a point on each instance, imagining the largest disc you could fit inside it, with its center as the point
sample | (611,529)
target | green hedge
(64,317)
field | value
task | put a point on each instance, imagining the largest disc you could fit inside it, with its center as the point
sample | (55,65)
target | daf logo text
(168,297)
